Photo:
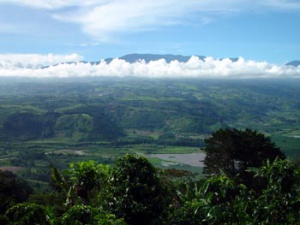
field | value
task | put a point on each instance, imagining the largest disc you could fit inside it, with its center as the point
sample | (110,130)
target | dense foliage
(134,192)
(13,190)
(233,152)
(137,194)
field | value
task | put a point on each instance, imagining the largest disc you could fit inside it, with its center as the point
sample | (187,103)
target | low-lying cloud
(59,66)
(34,61)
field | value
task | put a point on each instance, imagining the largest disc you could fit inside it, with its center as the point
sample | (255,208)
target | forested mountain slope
(110,109)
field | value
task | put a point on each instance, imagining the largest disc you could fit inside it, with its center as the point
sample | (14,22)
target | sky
(264,34)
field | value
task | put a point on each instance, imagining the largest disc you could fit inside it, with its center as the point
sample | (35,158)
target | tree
(233,152)
(78,215)
(279,201)
(88,178)
(13,190)
(84,188)
(85,180)
(219,200)
(28,214)
(137,193)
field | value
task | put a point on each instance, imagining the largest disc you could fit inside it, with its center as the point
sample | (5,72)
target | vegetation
(134,192)
(67,143)
(137,194)
(134,111)
(13,190)
(233,152)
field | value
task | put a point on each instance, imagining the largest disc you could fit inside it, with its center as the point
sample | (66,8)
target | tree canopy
(138,194)
(132,192)
(12,190)
(233,151)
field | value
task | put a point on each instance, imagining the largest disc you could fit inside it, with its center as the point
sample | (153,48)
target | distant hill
(152,57)
(293,63)
(135,57)
(132,109)
(131,58)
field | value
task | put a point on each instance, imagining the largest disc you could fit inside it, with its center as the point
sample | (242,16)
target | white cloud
(103,19)
(44,4)
(14,61)
(30,66)
(282,4)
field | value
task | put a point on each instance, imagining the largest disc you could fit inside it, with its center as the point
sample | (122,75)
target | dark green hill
(129,110)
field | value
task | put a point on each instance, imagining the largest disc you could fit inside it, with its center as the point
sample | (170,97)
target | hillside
(129,109)
(135,57)
(61,121)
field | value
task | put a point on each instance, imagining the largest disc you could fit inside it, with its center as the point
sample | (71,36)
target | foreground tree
(279,202)
(84,188)
(28,214)
(132,193)
(13,190)
(221,200)
(137,194)
(233,152)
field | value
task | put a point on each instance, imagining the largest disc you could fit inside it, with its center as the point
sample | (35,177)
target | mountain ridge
(293,63)
(147,57)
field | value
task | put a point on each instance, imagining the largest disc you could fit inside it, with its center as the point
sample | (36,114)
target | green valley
(65,120)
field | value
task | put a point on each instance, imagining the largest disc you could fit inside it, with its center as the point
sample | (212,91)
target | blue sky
(258,30)
(38,36)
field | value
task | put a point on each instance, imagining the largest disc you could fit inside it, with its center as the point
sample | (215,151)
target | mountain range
(293,63)
(135,57)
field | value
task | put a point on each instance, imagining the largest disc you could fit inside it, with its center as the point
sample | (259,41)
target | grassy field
(290,145)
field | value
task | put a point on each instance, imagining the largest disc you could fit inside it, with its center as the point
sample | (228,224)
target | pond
(192,159)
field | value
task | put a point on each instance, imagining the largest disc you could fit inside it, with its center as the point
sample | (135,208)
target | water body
(192,159)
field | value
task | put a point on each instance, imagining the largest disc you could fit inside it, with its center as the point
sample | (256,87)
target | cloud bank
(40,66)
(34,61)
